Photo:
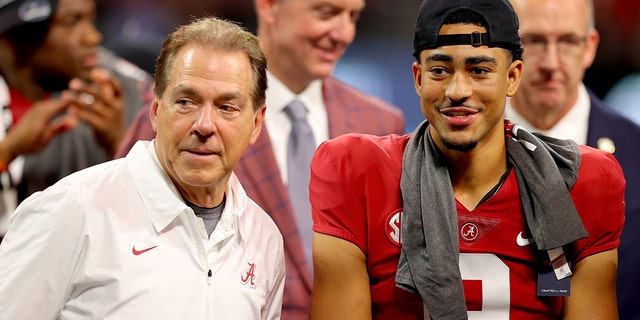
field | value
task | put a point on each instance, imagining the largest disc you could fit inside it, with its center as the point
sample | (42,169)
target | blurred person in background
(66,101)
(302,40)
(552,99)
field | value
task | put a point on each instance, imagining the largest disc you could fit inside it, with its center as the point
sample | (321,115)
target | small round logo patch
(469,232)
(393,229)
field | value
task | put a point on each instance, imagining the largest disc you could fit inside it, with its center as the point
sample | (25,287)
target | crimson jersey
(355,196)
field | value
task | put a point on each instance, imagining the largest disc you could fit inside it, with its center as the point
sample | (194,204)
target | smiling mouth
(458,114)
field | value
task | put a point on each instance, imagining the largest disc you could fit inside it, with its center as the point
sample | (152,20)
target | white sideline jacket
(116,241)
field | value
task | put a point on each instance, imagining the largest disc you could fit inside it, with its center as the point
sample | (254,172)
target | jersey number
(487,288)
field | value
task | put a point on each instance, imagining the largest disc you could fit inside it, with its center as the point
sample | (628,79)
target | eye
(229,108)
(571,40)
(185,104)
(438,71)
(69,21)
(533,40)
(326,12)
(355,16)
(479,71)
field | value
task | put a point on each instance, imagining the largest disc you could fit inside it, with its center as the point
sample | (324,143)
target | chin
(462,146)
(322,69)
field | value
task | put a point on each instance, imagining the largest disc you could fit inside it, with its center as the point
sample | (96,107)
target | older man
(303,40)
(167,232)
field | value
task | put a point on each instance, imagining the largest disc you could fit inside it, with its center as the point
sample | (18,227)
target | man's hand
(99,103)
(43,121)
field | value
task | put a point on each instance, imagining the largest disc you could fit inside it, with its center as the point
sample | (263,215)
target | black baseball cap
(14,13)
(502,24)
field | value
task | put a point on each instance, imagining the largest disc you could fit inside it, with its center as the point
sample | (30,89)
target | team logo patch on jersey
(249,275)
(473,228)
(392,227)
(469,232)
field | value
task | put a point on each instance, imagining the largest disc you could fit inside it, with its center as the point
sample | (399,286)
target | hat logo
(5,2)
(34,10)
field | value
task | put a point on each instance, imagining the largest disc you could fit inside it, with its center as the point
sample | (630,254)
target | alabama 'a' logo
(472,228)
(249,276)
(469,232)
(393,227)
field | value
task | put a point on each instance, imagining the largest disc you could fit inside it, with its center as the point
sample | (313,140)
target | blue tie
(299,152)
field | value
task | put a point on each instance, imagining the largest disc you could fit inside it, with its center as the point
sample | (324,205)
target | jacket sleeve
(39,255)
(273,306)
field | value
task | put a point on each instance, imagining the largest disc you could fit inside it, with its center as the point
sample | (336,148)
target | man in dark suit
(302,41)
(558,48)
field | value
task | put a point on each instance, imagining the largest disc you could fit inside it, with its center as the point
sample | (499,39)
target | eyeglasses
(567,46)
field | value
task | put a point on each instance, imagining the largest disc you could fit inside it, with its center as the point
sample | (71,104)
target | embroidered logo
(249,276)
(139,252)
(472,228)
(522,241)
(469,232)
(393,229)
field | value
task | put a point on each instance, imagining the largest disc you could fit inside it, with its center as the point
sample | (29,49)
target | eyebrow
(438,57)
(480,59)
(468,61)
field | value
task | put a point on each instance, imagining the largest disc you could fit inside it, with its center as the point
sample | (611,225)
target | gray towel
(546,169)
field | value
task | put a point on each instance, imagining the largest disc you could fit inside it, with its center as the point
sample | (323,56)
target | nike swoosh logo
(522,241)
(139,252)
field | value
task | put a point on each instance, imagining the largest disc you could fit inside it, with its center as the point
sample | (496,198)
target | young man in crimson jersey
(471,214)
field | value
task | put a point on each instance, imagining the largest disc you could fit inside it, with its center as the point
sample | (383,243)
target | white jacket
(116,241)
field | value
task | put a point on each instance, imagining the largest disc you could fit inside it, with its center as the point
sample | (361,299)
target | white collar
(162,199)
(279,96)
(573,125)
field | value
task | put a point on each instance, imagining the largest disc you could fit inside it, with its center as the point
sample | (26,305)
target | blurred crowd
(379,59)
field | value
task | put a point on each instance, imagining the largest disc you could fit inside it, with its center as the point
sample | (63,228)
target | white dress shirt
(278,123)
(116,241)
(573,125)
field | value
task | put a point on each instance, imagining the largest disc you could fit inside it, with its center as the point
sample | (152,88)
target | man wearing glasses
(560,42)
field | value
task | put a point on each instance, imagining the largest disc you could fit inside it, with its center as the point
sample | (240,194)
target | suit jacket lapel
(259,174)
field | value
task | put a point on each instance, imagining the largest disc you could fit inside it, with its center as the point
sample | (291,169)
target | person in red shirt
(470,216)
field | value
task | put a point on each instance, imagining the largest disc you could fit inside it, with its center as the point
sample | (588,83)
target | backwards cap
(14,13)
(502,24)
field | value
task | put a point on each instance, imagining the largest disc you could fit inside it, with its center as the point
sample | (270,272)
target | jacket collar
(163,202)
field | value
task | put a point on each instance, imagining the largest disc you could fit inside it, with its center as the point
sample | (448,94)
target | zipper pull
(209,277)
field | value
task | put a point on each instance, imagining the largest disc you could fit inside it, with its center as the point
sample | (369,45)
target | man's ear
(265,10)
(513,77)
(258,120)
(591,46)
(153,114)
(416,68)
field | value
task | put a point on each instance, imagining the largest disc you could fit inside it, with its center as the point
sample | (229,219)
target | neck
(543,117)
(24,82)
(291,75)
(474,173)
(19,77)
(204,198)
(296,83)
